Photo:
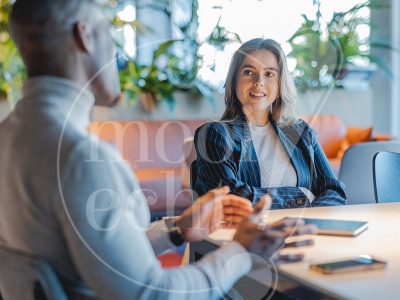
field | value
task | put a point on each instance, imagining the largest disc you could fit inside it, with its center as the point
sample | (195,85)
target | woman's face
(257,83)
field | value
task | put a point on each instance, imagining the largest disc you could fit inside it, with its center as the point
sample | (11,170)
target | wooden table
(381,239)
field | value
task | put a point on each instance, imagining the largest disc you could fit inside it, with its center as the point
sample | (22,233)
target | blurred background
(173,57)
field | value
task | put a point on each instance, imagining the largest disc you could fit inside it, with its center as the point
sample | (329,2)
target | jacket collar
(242,133)
(242,128)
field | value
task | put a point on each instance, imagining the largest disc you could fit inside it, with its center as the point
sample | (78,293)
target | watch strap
(175,233)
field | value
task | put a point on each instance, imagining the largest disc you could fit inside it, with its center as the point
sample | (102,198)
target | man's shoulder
(91,148)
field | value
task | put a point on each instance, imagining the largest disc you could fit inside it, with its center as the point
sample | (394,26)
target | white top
(276,170)
(72,199)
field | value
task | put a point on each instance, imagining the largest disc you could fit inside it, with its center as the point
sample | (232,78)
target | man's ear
(83,36)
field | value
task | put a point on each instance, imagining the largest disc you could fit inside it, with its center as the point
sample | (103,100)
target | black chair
(193,180)
(386,176)
(28,277)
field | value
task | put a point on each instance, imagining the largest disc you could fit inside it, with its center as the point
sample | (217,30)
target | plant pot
(148,101)
(4,108)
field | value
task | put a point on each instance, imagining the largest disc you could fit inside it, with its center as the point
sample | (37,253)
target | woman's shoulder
(302,124)
(221,130)
(301,127)
(297,123)
(218,126)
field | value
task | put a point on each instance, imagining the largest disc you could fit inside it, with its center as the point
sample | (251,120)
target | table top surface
(381,240)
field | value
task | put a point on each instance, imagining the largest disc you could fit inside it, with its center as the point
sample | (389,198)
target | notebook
(337,227)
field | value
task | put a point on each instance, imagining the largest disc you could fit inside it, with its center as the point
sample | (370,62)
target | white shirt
(276,170)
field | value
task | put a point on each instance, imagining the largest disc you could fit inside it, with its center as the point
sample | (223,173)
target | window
(253,18)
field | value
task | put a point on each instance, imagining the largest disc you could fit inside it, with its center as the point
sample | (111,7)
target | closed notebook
(337,227)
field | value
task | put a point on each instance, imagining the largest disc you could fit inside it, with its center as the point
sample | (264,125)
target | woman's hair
(283,108)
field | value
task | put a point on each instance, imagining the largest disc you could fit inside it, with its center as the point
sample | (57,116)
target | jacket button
(299,202)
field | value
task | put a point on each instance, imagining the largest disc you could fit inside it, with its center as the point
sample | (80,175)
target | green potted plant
(149,83)
(323,48)
(174,66)
(169,71)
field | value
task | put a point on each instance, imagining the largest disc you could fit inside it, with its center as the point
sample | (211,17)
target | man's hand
(214,210)
(266,240)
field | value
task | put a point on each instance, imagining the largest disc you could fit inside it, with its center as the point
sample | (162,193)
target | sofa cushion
(148,144)
(154,149)
(354,135)
(330,130)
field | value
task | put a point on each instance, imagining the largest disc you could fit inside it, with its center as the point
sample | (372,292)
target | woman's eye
(269,74)
(247,72)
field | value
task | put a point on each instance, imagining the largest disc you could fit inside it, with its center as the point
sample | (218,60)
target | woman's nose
(259,81)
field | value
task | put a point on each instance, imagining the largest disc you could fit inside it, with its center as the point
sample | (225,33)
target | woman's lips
(257,95)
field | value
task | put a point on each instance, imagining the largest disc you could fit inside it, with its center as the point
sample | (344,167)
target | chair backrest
(356,170)
(386,175)
(188,170)
(330,130)
(193,180)
(190,155)
(28,277)
(21,276)
(146,144)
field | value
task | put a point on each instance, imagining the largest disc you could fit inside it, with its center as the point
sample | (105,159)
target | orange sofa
(154,149)
(335,137)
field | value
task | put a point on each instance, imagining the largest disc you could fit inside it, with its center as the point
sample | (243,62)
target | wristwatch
(175,233)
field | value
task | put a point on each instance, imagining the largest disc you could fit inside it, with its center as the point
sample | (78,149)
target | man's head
(69,39)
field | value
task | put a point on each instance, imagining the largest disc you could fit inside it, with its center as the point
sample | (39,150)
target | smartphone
(359,263)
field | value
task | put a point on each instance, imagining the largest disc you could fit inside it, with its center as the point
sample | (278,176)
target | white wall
(354,107)
(381,31)
(186,107)
(395,87)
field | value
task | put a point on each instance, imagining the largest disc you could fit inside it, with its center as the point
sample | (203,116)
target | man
(66,198)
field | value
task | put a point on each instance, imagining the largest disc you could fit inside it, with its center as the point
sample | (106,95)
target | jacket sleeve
(218,162)
(327,189)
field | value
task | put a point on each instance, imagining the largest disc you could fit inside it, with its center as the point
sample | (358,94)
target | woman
(259,146)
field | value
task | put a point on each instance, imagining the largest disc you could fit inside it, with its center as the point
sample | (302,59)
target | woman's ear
(83,37)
